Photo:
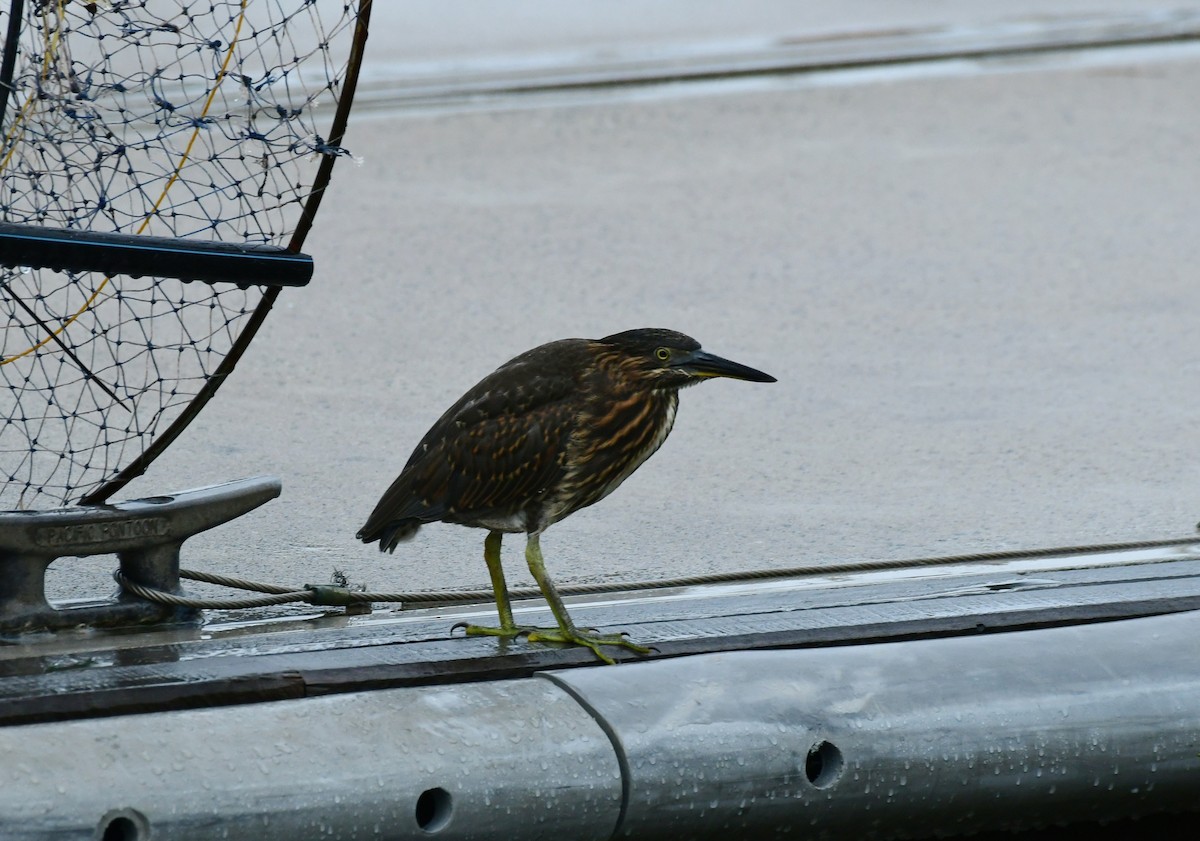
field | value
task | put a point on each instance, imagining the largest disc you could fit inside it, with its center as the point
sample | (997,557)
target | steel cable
(339,595)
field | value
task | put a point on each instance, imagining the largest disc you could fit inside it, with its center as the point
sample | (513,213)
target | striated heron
(553,430)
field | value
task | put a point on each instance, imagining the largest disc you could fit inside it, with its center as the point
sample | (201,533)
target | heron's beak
(703,364)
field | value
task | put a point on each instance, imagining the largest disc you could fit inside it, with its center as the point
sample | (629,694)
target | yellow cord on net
(51,45)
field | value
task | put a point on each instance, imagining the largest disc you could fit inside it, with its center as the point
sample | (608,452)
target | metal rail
(63,250)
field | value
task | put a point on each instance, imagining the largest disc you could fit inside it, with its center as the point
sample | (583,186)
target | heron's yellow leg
(491,555)
(508,628)
(566,632)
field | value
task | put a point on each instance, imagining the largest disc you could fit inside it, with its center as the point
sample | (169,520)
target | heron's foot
(490,631)
(588,639)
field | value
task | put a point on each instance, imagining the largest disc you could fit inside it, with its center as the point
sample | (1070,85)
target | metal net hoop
(164,118)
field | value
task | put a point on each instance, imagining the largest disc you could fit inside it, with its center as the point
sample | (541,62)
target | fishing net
(166,118)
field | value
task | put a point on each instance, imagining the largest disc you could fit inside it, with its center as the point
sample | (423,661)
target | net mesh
(158,117)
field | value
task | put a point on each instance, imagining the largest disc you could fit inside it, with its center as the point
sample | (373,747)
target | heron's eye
(663,354)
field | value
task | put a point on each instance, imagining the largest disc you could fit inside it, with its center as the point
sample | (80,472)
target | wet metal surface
(945,735)
(917,739)
(502,760)
(893,703)
(86,674)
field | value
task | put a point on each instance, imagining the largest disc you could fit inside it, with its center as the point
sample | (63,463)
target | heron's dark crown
(646,340)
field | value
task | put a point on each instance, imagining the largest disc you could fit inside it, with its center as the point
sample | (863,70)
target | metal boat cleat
(146,536)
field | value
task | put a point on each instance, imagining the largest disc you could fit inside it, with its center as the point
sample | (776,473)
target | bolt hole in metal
(434,810)
(123,825)
(823,765)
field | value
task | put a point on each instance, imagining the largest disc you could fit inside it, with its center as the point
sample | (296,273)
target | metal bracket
(144,534)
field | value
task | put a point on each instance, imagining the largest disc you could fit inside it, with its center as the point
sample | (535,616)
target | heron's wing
(495,450)
(503,462)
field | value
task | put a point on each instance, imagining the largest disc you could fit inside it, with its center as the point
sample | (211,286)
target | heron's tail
(389,535)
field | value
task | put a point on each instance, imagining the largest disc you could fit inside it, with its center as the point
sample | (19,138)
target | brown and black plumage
(552,431)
